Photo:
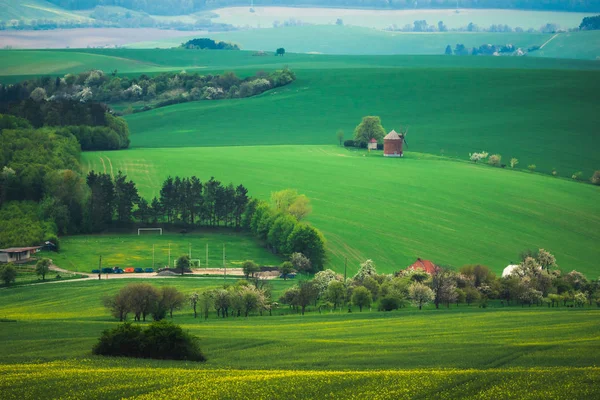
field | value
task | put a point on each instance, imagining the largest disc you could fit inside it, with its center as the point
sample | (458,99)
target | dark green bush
(123,341)
(389,303)
(349,143)
(160,340)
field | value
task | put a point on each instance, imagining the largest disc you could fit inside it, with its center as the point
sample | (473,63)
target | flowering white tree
(366,269)
(475,157)
(323,278)
(38,94)
(85,95)
(420,294)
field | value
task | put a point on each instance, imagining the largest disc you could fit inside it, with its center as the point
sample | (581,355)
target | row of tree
(535,281)
(75,98)
(280,225)
(94,127)
(423,26)
(209,44)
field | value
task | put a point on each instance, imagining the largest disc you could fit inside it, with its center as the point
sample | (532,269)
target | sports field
(463,352)
(395,210)
(81,253)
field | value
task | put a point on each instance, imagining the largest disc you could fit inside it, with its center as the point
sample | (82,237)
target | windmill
(403,136)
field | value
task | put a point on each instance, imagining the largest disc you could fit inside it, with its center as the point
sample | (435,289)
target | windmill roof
(393,135)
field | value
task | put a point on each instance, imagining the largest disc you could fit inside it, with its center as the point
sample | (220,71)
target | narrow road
(549,40)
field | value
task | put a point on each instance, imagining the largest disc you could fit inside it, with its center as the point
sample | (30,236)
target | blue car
(118,271)
(95,271)
(138,270)
(149,270)
(107,270)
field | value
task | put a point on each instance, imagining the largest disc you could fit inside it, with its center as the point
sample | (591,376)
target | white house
(17,254)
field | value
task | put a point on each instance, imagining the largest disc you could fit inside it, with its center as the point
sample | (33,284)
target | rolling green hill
(515,113)
(395,210)
(34,9)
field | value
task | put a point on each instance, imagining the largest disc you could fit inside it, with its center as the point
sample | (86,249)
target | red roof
(424,265)
(373,140)
(19,249)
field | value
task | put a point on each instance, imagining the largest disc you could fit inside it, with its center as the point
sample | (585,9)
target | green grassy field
(81,253)
(463,352)
(582,45)
(448,111)
(395,210)
(329,39)
(34,9)
(20,64)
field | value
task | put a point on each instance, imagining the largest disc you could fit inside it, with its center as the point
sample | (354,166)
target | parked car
(129,270)
(95,271)
(138,270)
(289,276)
(118,271)
(107,270)
(149,270)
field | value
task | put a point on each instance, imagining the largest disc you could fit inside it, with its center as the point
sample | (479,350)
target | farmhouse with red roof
(424,265)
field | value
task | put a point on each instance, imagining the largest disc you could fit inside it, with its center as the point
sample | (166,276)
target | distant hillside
(34,9)
(179,7)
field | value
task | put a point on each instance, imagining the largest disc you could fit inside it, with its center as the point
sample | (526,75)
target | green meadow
(82,253)
(461,352)
(395,210)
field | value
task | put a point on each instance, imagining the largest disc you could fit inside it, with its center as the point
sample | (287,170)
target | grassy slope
(515,113)
(80,253)
(395,210)
(34,9)
(498,351)
(582,45)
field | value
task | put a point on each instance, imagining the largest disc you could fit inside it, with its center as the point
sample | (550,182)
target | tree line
(280,225)
(91,123)
(75,99)
(535,281)
(206,43)
(179,7)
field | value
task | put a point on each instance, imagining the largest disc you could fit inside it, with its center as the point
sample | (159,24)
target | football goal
(140,230)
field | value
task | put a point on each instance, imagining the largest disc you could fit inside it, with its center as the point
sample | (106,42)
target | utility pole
(224,263)
(345,266)
(152,256)
(169,264)
(206,265)
(190,251)
(100,269)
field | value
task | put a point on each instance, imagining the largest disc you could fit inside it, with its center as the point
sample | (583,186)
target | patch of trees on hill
(209,44)
(83,90)
(486,50)
(590,23)
(178,7)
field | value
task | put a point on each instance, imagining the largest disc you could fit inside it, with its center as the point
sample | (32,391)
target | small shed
(392,144)
(372,144)
(17,254)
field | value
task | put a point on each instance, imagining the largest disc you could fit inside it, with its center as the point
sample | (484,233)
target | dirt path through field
(549,40)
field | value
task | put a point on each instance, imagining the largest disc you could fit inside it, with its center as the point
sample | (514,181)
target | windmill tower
(393,143)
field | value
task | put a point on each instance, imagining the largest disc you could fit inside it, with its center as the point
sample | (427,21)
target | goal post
(140,230)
